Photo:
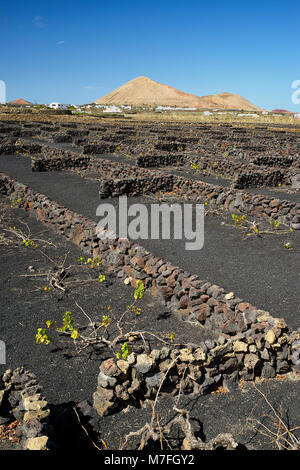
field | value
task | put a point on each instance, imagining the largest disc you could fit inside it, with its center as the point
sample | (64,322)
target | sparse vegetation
(86,330)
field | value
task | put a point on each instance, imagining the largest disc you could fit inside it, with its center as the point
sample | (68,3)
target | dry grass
(180,117)
(275,427)
(177,116)
(8,431)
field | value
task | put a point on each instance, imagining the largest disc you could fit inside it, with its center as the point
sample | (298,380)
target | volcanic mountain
(282,111)
(144,91)
(19,102)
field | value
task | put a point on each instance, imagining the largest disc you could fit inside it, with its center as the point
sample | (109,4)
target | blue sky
(76,52)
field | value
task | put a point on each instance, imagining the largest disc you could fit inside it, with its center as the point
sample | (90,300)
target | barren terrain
(144,91)
(213,333)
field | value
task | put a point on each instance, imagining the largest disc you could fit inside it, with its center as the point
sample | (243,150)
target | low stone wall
(195,369)
(246,175)
(170,146)
(69,125)
(254,205)
(45,158)
(138,181)
(62,138)
(254,179)
(215,197)
(10,146)
(148,161)
(4,129)
(115,178)
(100,148)
(21,400)
(194,299)
(134,186)
(49,128)
(268,160)
(79,142)
(18,132)
(70,161)
(78,133)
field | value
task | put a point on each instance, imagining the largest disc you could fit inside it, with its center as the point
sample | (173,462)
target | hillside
(282,111)
(144,91)
(19,102)
(228,101)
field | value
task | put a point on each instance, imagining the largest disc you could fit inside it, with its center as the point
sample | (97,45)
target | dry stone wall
(193,299)
(194,369)
(116,179)
(21,399)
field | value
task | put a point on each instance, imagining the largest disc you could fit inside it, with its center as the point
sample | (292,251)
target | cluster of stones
(255,178)
(135,186)
(153,160)
(69,135)
(11,146)
(18,131)
(57,160)
(281,162)
(21,400)
(44,158)
(195,369)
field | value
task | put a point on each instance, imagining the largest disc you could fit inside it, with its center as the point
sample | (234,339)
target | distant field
(22,114)
(196,116)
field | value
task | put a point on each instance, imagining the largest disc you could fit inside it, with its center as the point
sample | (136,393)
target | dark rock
(268,372)
(231,382)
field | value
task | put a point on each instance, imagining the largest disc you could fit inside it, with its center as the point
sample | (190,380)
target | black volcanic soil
(252,268)
(25,307)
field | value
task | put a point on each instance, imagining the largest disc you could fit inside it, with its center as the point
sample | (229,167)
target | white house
(248,114)
(112,109)
(173,108)
(56,105)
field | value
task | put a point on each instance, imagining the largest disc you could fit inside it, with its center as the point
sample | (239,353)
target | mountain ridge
(19,101)
(145,91)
